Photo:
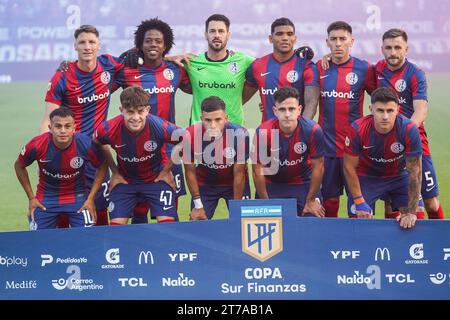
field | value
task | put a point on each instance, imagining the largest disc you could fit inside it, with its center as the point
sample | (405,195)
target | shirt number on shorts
(178,181)
(429,178)
(105,186)
(88,221)
(166,197)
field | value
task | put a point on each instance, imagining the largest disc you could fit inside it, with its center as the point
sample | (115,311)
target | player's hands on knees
(34,203)
(178,59)
(363,210)
(407,220)
(64,65)
(314,207)
(168,178)
(325,62)
(116,179)
(198,214)
(89,205)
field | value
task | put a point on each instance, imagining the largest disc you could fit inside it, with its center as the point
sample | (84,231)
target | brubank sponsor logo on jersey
(93,97)
(155,90)
(337,94)
(135,159)
(267,92)
(216,85)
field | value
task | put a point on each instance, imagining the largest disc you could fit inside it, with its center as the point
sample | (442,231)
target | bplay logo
(13,261)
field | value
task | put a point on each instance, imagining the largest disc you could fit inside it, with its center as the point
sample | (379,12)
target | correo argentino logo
(262,231)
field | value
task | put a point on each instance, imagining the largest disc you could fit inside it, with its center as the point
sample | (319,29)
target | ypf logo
(351,78)
(105,77)
(168,74)
(292,76)
(76,162)
(300,147)
(400,85)
(397,147)
(150,146)
(262,232)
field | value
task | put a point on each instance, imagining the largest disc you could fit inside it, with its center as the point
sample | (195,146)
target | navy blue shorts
(210,196)
(429,179)
(333,181)
(376,188)
(177,171)
(160,197)
(47,219)
(102,196)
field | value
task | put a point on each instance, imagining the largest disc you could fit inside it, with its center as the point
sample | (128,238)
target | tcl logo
(132,282)
(399,278)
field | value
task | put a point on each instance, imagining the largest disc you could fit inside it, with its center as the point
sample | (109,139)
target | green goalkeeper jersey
(224,78)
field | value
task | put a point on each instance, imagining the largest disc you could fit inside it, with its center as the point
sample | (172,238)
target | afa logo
(262,231)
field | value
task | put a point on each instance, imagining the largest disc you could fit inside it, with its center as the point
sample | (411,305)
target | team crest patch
(292,76)
(168,74)
(300,147)
(150,146)
(347,141)
(400,85)
(351,78)
(397,147)
(233,67)
(76,162)
(262,231)
(229,153)
(105,77)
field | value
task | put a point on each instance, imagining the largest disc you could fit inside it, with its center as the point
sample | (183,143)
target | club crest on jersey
(351,78)
(76,162)
(400,85)
(229,152)
(168,74)
(397,147)
(233,67)
(150,146)
(292,76)
(262,231)
(300,147)
(105,77)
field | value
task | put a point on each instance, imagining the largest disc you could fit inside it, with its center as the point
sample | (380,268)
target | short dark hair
(133,97)
(154,24)
(281,22)
(384,95)
(212,103)
(217,17)
(86,28)
(285,93)
(394,33)
(339,25)
(62,112)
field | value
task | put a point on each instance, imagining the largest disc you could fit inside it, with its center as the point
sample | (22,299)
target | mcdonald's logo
(380,253)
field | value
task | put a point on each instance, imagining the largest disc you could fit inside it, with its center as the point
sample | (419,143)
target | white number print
(88,221)
(166,197)
(177,181)
(429,178)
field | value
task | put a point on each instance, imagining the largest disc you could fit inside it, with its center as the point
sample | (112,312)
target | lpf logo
(262,232)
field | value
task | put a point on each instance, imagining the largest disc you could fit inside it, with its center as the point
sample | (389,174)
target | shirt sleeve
(101,134)
(419,86)
(316,142)
(310,74)
(371,83)
(56,89)
(250,77)
(413,146)
(28,154)
(95,154)
(352,142)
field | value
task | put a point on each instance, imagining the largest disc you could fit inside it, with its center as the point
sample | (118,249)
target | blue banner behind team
(263,252)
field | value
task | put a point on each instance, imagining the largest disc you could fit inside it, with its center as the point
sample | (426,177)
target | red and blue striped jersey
(215,159)
(383,155)
(87,94)
(61,172)
(268,74)
(410,83)
(161,83)
(341,101)
(141,157)
(294,152)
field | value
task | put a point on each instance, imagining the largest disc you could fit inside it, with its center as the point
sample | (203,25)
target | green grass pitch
(22,107)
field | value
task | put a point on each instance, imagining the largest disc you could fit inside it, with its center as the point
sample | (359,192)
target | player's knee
(164,219)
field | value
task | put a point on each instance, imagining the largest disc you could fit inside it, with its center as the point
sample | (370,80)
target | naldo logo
(112,256)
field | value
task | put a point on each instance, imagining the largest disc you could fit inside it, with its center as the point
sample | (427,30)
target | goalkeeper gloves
(361,205)
(132,58)
(304,52)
